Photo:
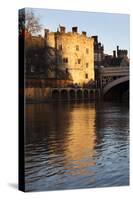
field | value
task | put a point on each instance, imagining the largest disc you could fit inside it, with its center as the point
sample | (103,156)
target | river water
(76,145)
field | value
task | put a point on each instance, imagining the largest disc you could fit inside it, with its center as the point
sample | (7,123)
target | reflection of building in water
(57,130)
(82,140)
(42,119)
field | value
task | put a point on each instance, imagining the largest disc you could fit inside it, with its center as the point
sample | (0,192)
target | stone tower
(75,53)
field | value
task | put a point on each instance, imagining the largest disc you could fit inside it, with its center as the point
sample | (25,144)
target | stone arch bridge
(114,82)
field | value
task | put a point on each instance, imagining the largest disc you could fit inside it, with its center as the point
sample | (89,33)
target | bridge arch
(116,88)
(86,94)
(79,94)
(72,94)
(55,94)
(64,94)
(92,95)
(97,94)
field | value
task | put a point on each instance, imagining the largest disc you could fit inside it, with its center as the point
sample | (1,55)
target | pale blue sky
(112,29)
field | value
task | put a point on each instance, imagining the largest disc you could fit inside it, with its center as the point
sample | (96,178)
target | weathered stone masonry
(76,53)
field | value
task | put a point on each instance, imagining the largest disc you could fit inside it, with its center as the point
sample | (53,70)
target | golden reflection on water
(73,134)
(82,140)
(75,146)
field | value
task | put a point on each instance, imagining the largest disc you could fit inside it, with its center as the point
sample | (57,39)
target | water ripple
(76,146)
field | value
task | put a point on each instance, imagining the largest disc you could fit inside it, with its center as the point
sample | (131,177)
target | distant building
(98,52)
(121,53)
(119,58)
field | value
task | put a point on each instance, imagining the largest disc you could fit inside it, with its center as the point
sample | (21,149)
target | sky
(112,29)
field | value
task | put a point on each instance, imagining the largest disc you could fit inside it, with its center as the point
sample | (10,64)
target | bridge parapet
(109,74)
(114,71)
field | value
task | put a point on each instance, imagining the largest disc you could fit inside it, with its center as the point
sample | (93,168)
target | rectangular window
(79,61)
(60,47)
(66,70)
(87,50)
(86,75)
(65,60)
(87,65)
(77,47)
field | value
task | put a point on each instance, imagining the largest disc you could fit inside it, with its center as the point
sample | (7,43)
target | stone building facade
(33,41)
(74,53)
(98,52)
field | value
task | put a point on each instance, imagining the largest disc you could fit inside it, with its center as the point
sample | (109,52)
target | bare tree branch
(28,22)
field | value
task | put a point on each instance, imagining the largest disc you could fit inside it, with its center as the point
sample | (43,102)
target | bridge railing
(109,70)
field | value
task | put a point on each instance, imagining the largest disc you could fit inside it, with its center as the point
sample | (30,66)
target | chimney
(114,54)
(75,29)
(62,29)
(95,38)
(117,51)
(46,31)
(84,33)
